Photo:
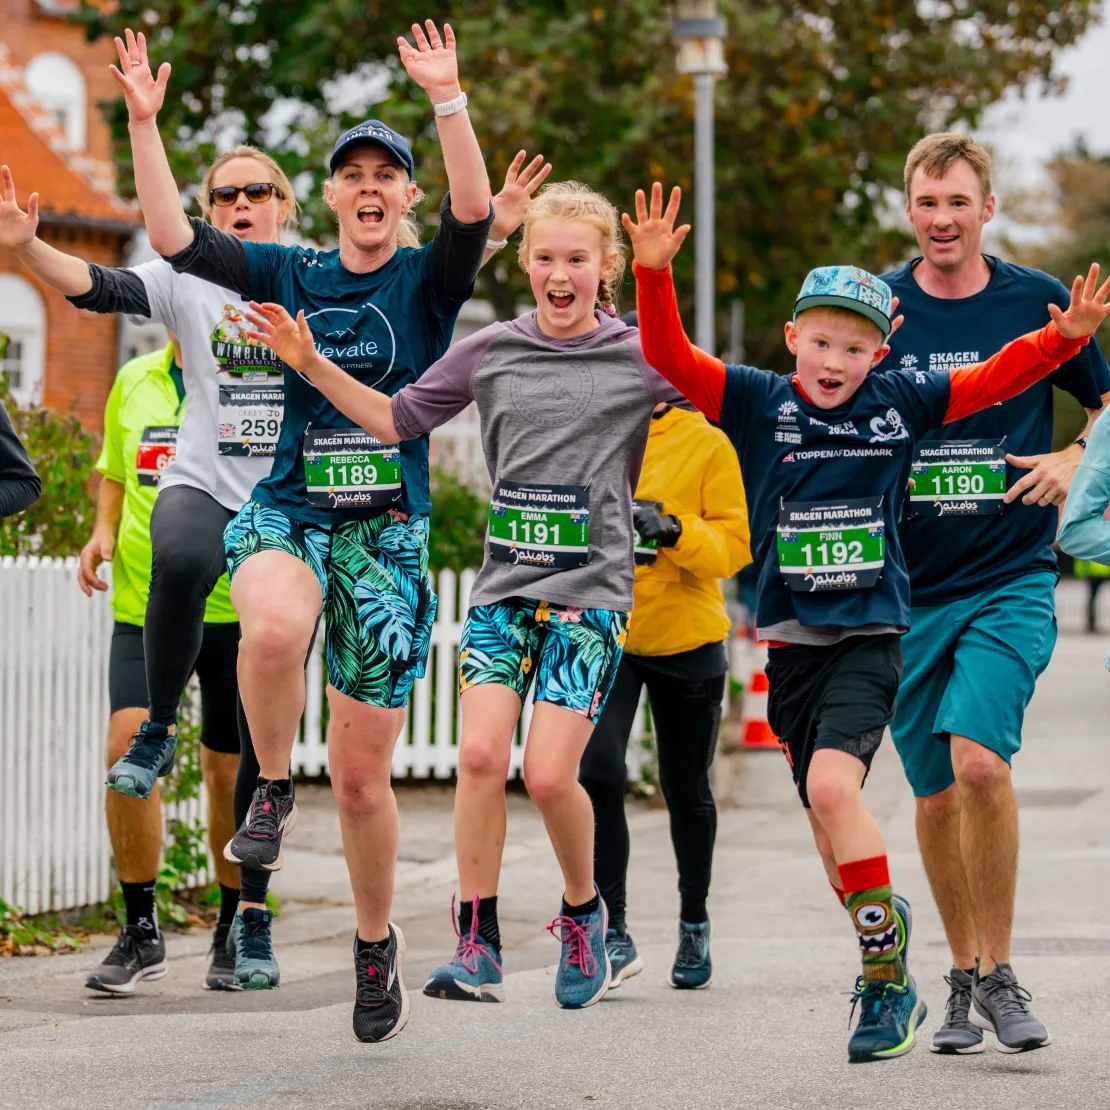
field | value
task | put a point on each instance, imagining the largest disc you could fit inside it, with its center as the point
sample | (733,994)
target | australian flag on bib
(825,490)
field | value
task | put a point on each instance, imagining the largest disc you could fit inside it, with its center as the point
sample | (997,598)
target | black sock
(969,971)
(618,924)
(488,928)
(139,900)
(693,910)
(585,908)
(254,882)
(229,903)
(365,945)
(282,786)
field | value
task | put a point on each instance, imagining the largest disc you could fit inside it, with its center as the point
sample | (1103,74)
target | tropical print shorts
(572,654)
(379,604)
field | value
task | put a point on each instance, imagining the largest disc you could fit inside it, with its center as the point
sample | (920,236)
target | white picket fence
(54,849)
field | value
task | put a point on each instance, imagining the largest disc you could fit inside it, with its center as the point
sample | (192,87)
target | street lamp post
(698,31)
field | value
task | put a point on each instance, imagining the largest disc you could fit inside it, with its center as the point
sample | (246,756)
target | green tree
(821,101)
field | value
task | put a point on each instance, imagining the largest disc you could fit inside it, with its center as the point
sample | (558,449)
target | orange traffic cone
(754,730)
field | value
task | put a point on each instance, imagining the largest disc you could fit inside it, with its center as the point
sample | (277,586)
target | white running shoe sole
(155,971)
(231,857)
(626,972)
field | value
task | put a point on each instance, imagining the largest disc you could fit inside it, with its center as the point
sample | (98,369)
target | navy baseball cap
(373,131)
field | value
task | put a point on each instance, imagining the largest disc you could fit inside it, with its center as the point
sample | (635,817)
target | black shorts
(839,697)
(215,668)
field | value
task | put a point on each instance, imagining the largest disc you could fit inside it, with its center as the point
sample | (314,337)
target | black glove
(654,525)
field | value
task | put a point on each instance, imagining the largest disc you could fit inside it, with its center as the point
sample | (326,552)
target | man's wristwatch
(450,107)
(1082,442)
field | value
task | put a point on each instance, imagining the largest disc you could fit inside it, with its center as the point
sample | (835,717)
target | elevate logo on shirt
(358,340)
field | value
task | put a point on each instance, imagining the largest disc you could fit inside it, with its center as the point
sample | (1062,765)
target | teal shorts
(571,654)
(970,668)
(379,605)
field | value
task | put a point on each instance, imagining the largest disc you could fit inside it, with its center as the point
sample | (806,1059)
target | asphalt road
(771,1031)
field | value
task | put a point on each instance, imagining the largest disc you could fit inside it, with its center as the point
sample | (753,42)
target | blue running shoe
(249,941)
(693,969)
(905,920)
(624,960)
(473,974)
(584,972)
(890,1014)
(150,757)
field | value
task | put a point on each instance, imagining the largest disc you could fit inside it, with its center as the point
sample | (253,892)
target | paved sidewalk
(771,1032)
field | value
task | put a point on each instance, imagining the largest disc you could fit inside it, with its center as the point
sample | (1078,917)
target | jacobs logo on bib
(347,468)
(540,526)
(156,450)
(646,551)
(958,477)
(827,545)
(238,355)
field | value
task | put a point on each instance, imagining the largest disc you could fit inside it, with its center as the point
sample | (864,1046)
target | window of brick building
(23,320)
(59,85)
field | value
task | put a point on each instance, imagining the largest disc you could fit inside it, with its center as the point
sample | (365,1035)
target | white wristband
(496,244)
(450,107)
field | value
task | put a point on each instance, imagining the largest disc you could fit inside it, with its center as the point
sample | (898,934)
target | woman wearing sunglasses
(225,445)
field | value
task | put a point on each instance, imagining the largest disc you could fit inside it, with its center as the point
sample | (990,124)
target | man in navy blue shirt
(976,533)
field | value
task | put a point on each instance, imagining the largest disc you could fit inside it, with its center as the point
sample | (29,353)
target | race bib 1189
(347,468)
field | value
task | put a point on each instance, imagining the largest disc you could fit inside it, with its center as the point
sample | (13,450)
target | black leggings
(686,714)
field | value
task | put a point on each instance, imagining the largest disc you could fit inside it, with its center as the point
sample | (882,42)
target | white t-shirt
(233,386)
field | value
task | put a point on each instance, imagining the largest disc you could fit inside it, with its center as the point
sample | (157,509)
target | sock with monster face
(868,896)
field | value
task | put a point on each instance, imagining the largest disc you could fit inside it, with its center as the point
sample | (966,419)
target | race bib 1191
(829,545)
(958,477)
(347,468)
(540,525)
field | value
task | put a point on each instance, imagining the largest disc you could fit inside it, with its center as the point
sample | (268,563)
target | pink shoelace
(576,937)
(471,946)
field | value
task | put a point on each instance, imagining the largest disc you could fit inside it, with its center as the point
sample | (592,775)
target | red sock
(838,892)
(864,874)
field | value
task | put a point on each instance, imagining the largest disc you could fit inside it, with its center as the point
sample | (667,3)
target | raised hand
(291,340)
(142,91)
(17,228)
(511,204)
(1088,306)
(655,239)
(432,63)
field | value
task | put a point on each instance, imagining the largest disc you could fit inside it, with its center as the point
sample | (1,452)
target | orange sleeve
(698,376)
(1014,369)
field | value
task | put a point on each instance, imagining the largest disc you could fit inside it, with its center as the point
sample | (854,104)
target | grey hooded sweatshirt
(564,424)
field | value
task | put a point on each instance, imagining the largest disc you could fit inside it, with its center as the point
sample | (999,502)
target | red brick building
(56,142)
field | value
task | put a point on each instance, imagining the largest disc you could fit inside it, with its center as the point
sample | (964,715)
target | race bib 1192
(831,545)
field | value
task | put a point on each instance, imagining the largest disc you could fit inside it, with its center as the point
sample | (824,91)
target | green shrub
(458,525)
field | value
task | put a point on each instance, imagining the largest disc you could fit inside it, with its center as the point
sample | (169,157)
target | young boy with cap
(825,456)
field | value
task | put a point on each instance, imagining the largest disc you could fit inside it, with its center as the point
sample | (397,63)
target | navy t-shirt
(384,328)
(791,451)
(949,558)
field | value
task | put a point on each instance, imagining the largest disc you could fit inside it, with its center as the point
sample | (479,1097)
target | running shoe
(889,1016)
(221,962)
(905,919)
(957,1036)
(149,758)
(134,957)
(258,842)
(251,946)
(584,972)
(693,969)
(381,1001)
(1000,1005)
(473,974)
(624,960)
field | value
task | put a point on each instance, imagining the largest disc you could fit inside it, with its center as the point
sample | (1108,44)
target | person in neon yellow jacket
(140,431)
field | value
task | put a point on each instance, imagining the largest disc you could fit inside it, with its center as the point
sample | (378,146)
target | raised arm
(510,206)
(433,65)
(292,341)
(1029,358)
(166,223)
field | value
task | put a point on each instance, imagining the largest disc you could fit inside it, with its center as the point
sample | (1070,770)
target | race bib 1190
(958,477)
(540,525)
(829,545)
(347,468)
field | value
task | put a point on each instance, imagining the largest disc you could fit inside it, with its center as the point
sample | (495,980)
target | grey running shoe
(1000,1005)
(252,949)
(150,757)
(381,1001)
(258,841)
(221,962)
(134,957)
(957,1036)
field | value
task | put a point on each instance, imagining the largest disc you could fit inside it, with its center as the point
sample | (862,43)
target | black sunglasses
(226,195)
